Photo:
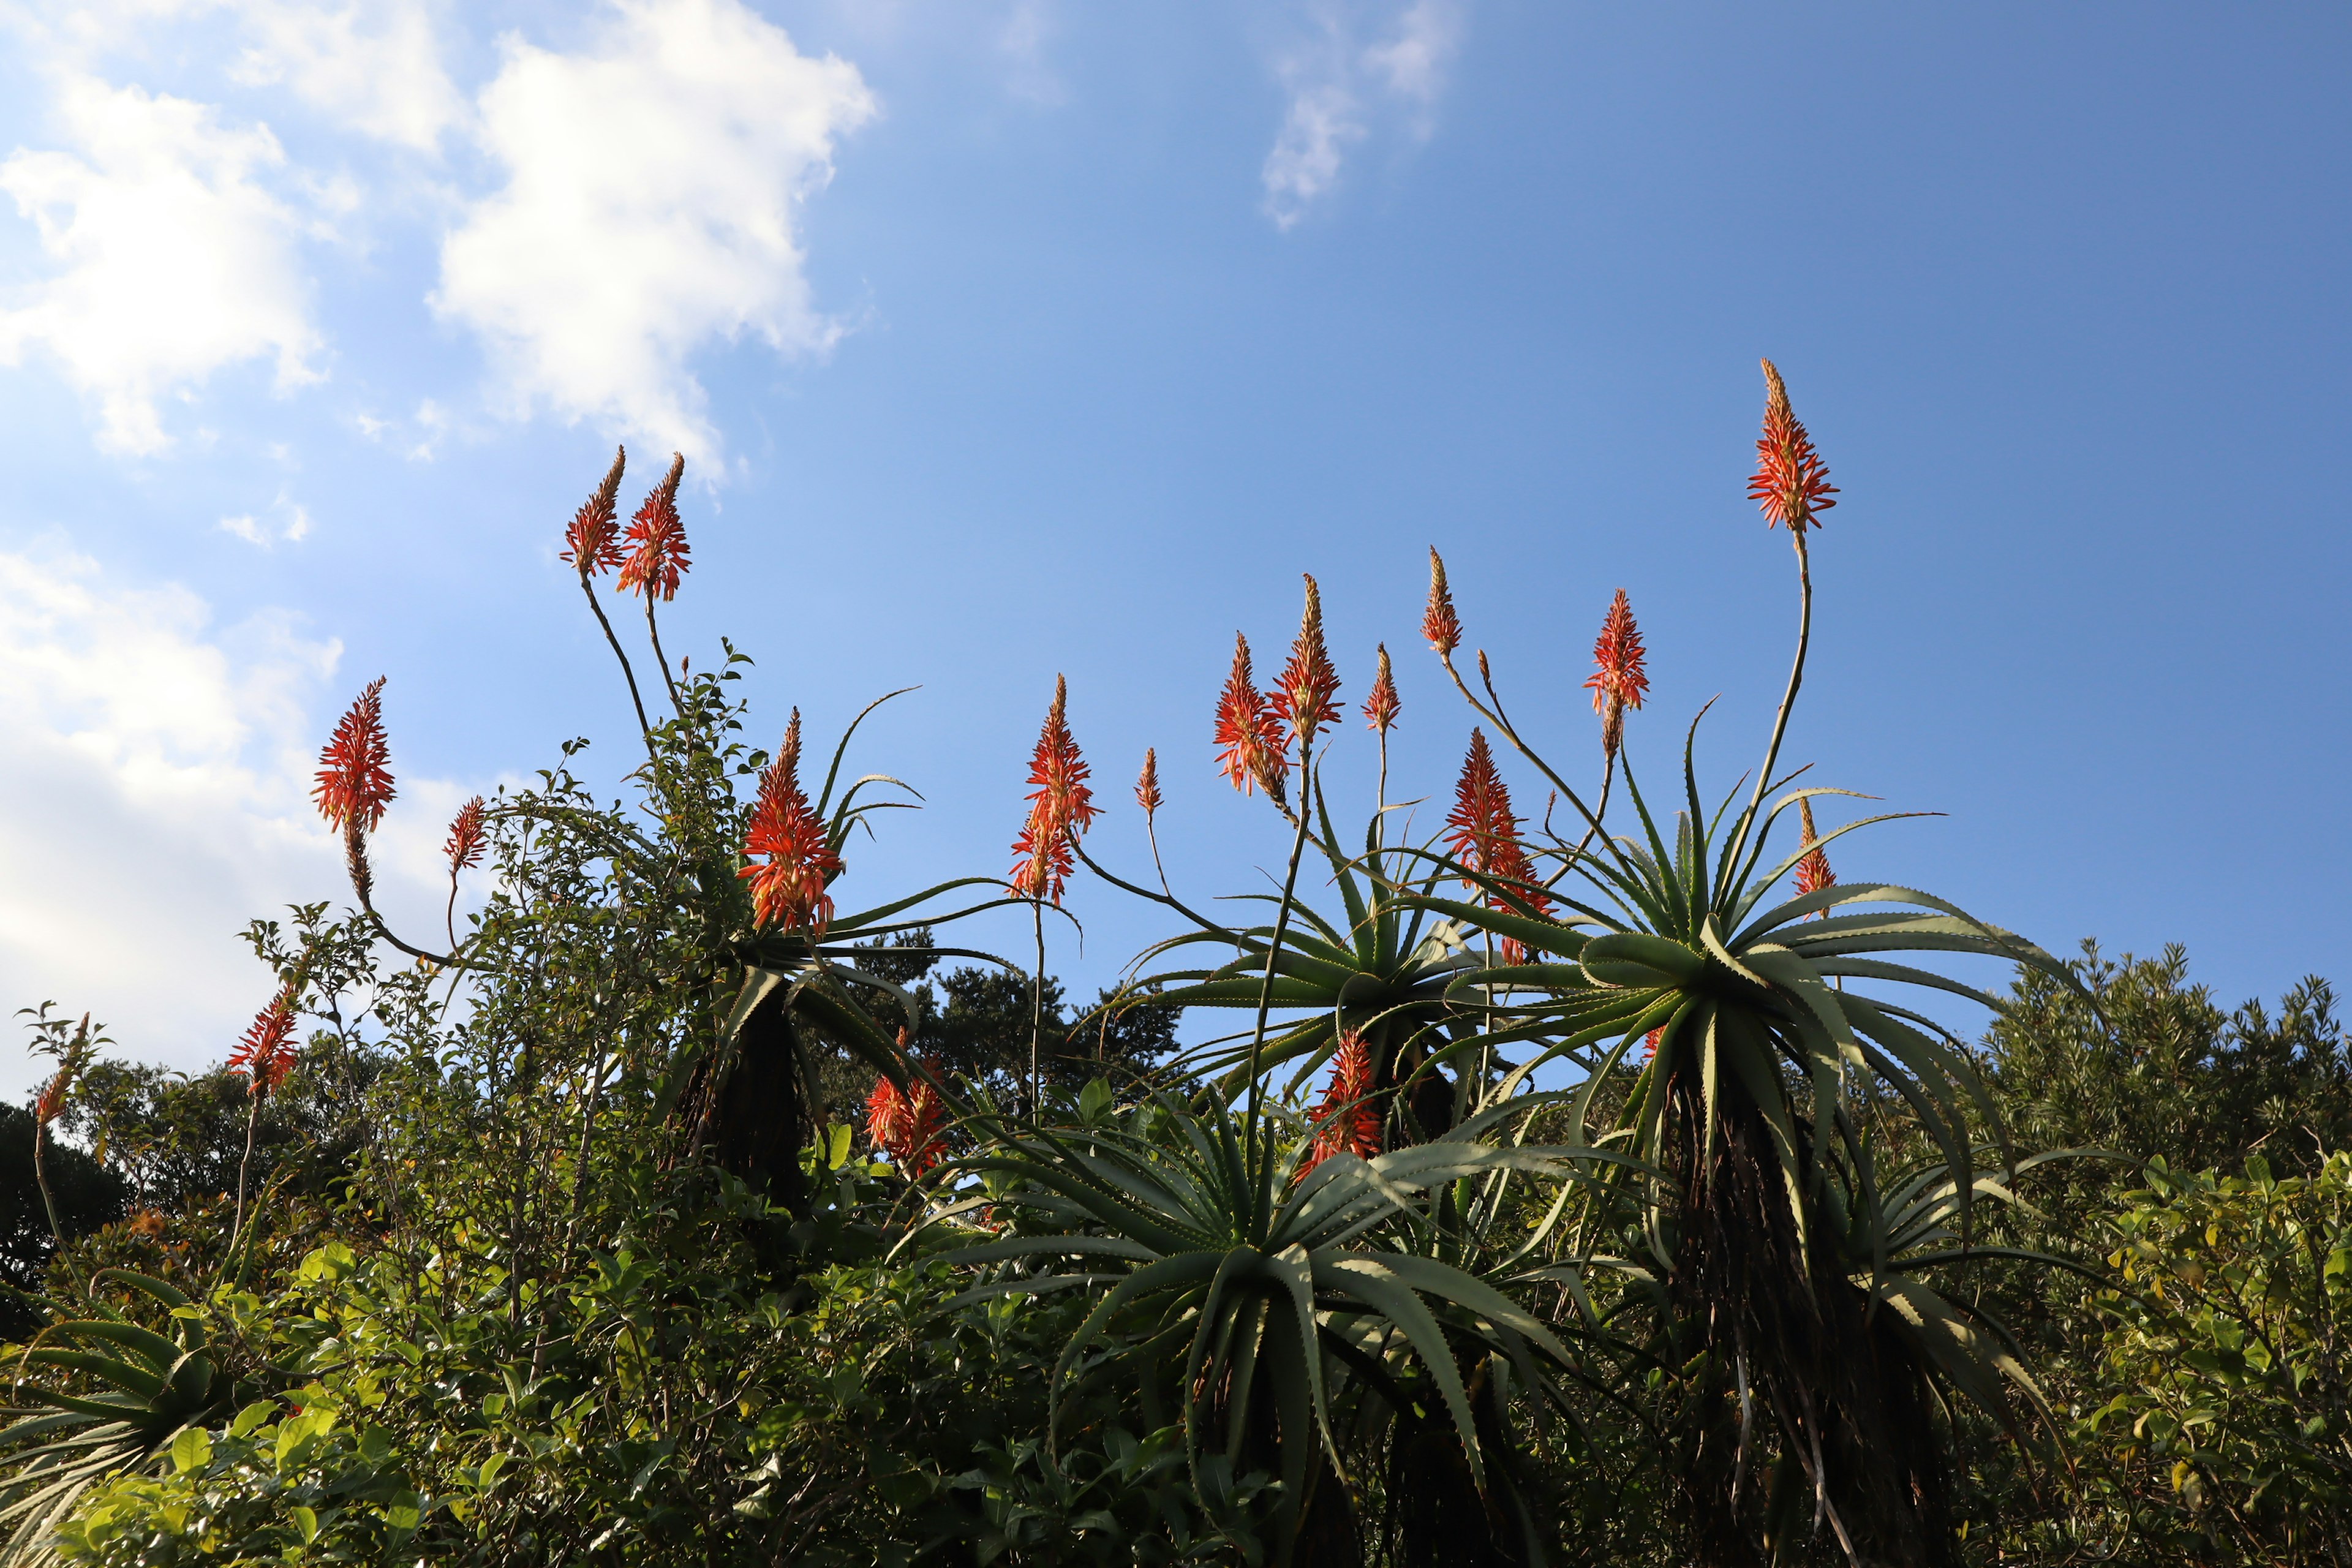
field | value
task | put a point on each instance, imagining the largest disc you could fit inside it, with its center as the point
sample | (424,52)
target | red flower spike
(1061,808)
(1791,483)
(467,838)
(659,555)
(1380,707)
(1438,624)
(1147,782)
(51,1104)
(886,1115)
(789,886)
(266,1054)
(592,541)
(1483,834)
(1814,871)
(1618,682)
(354,773)
(1249,739)
(1304,697)
(1350,1122)
(907,1125)
(1649,1045)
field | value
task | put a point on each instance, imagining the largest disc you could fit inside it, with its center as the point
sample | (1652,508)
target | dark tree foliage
(89,1195)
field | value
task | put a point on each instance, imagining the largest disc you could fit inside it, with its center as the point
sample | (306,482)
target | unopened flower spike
(1791,483)
(1249,739)
(1618,680)
(1380,707)
(592,541)
(1438,624)
(1061,808)
(788,887)
(1303,697)
(1814,871)
(1147,782)
(658,556)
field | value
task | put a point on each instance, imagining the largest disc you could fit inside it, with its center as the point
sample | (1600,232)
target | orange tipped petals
(51,1103)
(1380,707)
(1618,682)
(1791,483)
(1305,697)
(1650,1043)
(1347,1123)
(658,556)
(1147,782)
(467,838)
(788,887)
(354,772)
(1814,871)
(266,1053)
(1061,808)
(1249,738)
(592,541)
(907,1125)
(1438,624)
(1483,833)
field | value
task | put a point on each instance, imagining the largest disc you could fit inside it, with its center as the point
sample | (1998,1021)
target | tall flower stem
(627,674)
(244,1170)
(41,1175)
(1788,700)
(1501,721)
(661,659)
(1273,949)
(1037,1015)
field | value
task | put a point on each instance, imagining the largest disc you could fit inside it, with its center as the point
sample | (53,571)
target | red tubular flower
(659,555)
(1483,833)
(1304,697)
(51,1103)
(354,774)
(1791,483)
(1349,1122)
(907,1125)
(467,838)
(1061,808)
(592,541)
(1380,707)
(1650,1043)
(1438,622)
(1814,871)
(1147,782)
(1619,682)
(1249,738)
(789,886)
(266,1054)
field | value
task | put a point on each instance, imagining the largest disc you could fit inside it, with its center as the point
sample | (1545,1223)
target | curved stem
(1496,717)
(662,658)
(41,1175)
(627,674)
(1170,899)
(1037,1014)
(449,915)
(1151,832)
(245,1167)
(1788,700)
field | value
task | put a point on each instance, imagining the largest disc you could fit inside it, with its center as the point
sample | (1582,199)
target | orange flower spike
(51,1104)
(1061,808)
(790,885)
(1619,681)
(1438,624)
(1791,483)
(1380,707)
(1483,832)
(266,1053)
(592,541)
(1347,1121)
(1303,697)
(659,555)
(886,1116)
(467,838)
(1814,871)
(1147,782)
(354,769)
(1248,738)
(1650,1043)
(924,1140)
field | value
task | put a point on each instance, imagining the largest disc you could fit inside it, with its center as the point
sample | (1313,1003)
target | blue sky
(1010,338)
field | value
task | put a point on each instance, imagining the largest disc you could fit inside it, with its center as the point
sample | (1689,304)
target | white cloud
(173,260)
(156,798)
(375,67)
(1336,87)
(293,527)
(653,182)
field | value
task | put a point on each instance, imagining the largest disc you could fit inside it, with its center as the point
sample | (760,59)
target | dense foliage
(1585,1197)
